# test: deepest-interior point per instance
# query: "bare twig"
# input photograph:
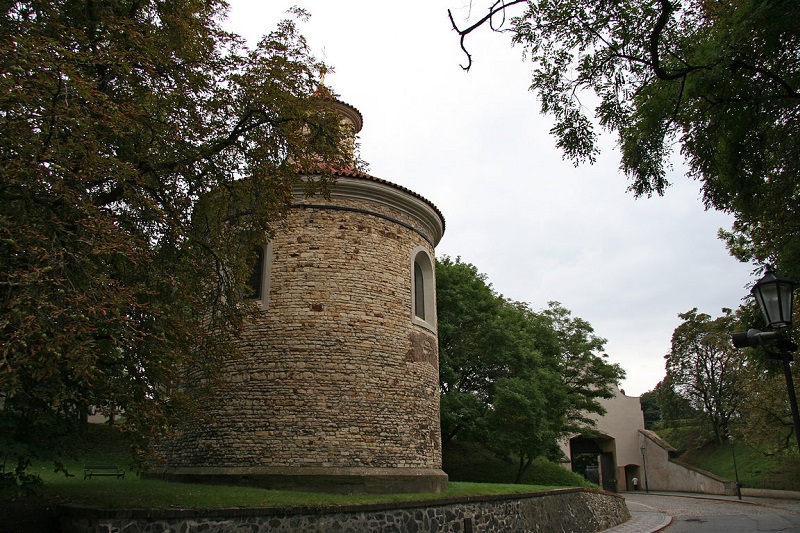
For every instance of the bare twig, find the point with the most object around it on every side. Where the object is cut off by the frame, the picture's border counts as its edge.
(497, 7)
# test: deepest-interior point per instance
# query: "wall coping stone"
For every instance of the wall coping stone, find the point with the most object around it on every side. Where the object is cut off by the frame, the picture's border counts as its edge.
(559, 510)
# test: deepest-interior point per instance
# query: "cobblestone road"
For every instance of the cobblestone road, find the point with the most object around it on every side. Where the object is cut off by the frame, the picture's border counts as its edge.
(681, 513)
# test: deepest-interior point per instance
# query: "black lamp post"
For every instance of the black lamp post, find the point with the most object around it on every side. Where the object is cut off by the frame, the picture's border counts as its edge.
(774, 295)
(644, 469)
(735, 469)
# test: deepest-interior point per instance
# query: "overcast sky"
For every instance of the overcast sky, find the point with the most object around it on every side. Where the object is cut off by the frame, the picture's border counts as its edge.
(476, 146)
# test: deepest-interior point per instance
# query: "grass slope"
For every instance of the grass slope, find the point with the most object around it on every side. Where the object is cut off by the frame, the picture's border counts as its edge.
(474, 472)
(755, 469)
(464, 461)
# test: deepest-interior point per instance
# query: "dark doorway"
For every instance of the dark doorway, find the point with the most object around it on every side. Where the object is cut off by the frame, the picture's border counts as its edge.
(585, 453)
(609, 481)
(632, 471)
(586, 464)
(591, 461)
(580, 445)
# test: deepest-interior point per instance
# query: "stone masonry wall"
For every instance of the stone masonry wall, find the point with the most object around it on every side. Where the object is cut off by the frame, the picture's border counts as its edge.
(334, 373)
(570, 510)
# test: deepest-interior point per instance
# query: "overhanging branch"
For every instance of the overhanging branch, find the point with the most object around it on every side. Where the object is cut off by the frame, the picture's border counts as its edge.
(497, 7)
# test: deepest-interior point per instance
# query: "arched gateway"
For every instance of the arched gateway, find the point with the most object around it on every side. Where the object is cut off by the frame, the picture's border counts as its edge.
(610, 454)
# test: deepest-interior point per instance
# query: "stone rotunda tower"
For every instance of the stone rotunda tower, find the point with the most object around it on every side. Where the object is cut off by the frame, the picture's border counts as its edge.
(337, 388)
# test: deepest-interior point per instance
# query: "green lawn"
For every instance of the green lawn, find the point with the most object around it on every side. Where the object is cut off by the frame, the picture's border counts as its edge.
(133, 492)
(473, 471)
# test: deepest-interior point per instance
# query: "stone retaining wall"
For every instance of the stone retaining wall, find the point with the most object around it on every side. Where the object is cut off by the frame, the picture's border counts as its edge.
(567, 510)
(771, 493)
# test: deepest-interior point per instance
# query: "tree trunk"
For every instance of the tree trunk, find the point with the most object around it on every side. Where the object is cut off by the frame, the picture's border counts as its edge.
(84, 423)
(523, 467)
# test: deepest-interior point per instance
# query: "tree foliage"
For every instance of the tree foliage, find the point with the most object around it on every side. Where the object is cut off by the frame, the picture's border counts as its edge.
(650, 409)
(482, 340)
(674, 409)
(513, 379)
(118, 119)
(467, 312)
(584, 368)
(713, 390)
(720, 80)
(704, 368)
(766, 420)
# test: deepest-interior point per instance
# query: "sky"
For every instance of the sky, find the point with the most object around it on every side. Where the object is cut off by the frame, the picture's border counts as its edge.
(476, 146)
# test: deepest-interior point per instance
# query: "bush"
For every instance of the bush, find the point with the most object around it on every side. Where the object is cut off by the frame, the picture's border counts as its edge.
(466, 461)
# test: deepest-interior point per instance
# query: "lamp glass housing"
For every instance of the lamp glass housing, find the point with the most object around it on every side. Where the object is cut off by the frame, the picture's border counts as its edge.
(774, 296)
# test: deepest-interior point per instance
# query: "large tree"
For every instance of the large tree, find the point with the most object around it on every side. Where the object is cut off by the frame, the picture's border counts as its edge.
(766, 419)
(529, 405)
(525, 422)
(481, 341)
(705, 368)
(513, 379)
(583, 366)
(118, 119)
(717, 79)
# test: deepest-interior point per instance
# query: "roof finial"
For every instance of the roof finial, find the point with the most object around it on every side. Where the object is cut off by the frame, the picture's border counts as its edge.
(323, 68)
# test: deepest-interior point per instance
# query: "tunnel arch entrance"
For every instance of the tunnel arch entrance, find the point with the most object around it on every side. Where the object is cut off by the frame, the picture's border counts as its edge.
(594, 457)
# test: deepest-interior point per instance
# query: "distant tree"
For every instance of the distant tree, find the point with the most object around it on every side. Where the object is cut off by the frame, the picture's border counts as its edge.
(705, 368)
(650, 409)
(675, 410)
(118, 120)
(766, 420)
(720, 80)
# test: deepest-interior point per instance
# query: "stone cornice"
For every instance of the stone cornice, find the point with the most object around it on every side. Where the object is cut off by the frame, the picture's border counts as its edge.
(374, 190)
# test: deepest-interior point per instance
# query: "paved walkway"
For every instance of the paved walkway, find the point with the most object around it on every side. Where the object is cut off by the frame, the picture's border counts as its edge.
(642, 521)
(648, 519)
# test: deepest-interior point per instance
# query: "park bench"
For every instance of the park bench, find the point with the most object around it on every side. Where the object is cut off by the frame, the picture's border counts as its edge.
(102, 470)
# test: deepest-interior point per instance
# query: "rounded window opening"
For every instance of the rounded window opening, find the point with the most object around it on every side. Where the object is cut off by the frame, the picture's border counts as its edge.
(259, 276)
(423, 296)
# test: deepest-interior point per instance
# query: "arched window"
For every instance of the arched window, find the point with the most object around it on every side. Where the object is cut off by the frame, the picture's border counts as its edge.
(423, 300)
(419, 292)
(259, 276)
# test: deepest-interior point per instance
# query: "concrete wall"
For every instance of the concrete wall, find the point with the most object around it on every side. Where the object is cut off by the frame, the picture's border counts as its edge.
(623, 434)
(622, 422)
(619, 428)
(662, 474)
(570, 510)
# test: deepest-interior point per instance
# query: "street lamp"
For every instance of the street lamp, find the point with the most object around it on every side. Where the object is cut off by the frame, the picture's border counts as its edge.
(774, 295)
(735, 469)
(644, 469)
